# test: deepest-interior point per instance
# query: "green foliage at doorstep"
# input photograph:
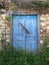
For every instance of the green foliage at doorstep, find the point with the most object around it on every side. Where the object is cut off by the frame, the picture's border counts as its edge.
(12, 56)
(20, 57)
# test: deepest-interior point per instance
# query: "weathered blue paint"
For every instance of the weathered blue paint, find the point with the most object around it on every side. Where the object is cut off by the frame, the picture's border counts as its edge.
(25, 32)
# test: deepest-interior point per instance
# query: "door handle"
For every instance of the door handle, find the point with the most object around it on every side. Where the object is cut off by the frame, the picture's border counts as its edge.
(24, 28)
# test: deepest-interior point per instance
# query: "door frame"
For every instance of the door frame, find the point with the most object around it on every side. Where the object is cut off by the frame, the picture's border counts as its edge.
(38, 26)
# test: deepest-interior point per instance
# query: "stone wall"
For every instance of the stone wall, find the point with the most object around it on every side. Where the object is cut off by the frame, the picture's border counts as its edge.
(44, 27)
(4, 29)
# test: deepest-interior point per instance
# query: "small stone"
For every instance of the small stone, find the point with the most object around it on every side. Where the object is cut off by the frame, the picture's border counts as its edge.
(47, 27)
(41, 41)
(47, 45)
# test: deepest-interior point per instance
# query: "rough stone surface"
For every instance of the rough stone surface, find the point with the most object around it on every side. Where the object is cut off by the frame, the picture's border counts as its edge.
(44, 27)
(5, 32)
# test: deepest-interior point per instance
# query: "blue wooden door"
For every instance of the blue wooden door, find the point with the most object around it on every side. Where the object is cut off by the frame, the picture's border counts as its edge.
(25, 32)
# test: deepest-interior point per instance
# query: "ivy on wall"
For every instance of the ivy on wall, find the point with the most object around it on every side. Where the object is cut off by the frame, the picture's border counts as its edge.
(35, 4)
(41, 4)
(28, 5)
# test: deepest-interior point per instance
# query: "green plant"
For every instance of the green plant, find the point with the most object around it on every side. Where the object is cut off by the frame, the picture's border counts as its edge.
(3, 41)
(45, 42)
(41, 4)
(45, 52)
(24, 4)
(20, 57)
(8, 18)
(45, 57)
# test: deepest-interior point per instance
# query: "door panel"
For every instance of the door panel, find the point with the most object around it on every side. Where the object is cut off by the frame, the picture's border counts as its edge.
(25, 30)
(18, 32)
(31, 39)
